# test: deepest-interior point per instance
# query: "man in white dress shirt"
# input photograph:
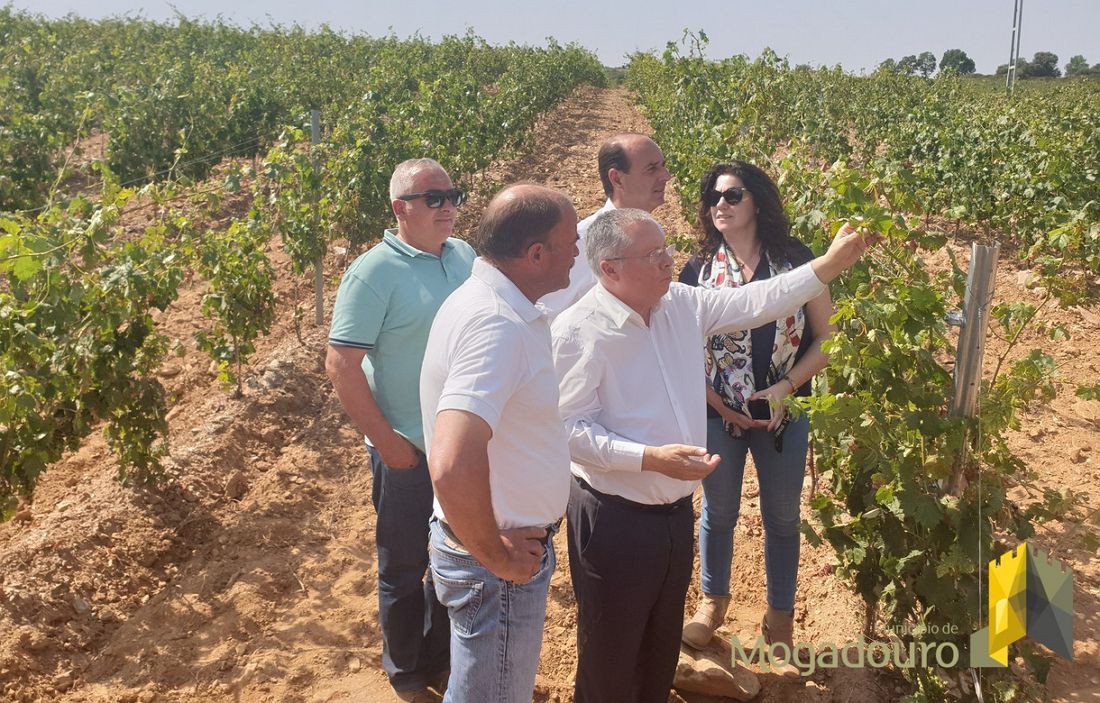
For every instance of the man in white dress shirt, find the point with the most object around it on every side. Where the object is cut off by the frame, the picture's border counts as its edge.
(497, 450)
(628, 363)
(633, 173)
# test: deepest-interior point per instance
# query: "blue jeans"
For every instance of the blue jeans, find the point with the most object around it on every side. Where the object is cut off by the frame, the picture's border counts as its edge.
(780, 475)
(415, 629)
(496, 625)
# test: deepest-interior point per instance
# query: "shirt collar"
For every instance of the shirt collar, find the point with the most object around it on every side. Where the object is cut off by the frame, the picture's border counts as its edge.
(616, 310)
(506, 289)
(401, 246)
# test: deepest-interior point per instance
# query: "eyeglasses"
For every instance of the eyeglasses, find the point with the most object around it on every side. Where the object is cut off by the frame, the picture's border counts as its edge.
(435, 198)
(732, 195)
(653, 257)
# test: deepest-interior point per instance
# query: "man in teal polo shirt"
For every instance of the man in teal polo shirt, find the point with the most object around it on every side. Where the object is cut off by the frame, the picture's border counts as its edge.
(384, 310)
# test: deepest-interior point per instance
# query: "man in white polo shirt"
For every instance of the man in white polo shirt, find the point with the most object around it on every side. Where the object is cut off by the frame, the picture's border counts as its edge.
(497, 449)
(633, 173)
(627, 356)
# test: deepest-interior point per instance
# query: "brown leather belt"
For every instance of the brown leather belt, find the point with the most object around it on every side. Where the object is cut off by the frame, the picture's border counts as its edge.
(450, 534)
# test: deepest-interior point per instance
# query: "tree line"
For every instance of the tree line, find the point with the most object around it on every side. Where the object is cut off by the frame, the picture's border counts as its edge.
(1043, 64)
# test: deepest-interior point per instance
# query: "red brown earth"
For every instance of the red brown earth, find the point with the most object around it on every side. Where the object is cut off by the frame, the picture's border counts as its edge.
(249, 575)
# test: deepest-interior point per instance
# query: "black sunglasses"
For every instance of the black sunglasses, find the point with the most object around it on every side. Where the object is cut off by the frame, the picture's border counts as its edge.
(435, 198)
(732, 195)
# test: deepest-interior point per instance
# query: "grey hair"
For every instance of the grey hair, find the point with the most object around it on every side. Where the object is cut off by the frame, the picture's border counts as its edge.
(606, 237)
(401, 182)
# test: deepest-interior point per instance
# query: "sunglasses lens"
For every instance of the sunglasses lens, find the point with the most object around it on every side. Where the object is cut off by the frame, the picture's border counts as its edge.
(711, 198)
(733, 195)
(436, 198)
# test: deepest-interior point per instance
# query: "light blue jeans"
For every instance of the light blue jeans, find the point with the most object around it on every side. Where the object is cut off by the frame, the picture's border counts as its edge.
(496, 625)
(780, 475)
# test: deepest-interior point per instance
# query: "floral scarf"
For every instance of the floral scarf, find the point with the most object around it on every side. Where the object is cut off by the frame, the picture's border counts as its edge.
(729, 356)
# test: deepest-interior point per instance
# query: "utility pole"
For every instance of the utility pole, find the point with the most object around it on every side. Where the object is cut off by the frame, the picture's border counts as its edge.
(1014, 45)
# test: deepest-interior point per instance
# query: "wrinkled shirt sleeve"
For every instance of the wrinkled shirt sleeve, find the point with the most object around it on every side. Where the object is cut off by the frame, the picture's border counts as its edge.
(725, 310)
(590, 443)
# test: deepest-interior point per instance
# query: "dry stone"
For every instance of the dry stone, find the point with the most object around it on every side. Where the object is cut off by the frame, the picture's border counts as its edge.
(703, 672)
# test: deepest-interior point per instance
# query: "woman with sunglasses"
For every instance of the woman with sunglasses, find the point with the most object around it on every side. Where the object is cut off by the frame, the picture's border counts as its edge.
(746, 237)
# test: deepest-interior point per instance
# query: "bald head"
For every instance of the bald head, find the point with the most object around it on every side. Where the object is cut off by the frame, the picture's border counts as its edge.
(519, 216)
(633, 173)
(615, 153)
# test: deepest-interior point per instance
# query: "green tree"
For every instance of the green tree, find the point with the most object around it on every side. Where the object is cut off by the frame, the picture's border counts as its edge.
(1023, 66)
(1043, 65)
(907, 65)
(926, 63)
(888, 66)
(956, 60)
(1077, 66)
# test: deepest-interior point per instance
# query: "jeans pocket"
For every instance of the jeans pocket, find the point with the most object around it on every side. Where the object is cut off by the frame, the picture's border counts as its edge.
(415, 478)
(548, 562)
(461, 597)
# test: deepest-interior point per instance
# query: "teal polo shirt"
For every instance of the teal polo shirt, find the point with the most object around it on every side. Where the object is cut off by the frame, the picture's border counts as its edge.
(385, 305)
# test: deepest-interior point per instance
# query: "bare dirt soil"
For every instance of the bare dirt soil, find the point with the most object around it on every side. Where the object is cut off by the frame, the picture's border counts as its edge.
(249, 576)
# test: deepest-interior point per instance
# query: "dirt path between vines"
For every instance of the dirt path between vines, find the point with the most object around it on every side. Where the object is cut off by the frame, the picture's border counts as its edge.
(250, 576)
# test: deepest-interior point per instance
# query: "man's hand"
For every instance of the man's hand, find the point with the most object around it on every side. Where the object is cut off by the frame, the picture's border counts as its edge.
(345, 367)
(520, 555)
(681, 461)
(459, 467)
(847, 247)
(398, 453)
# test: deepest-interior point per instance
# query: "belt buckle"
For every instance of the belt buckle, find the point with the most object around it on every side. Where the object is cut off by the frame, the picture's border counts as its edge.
(551, 530)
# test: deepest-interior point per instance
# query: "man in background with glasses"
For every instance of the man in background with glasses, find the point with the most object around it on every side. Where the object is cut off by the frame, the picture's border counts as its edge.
(628, 363)
(633, 173)
(380, 323)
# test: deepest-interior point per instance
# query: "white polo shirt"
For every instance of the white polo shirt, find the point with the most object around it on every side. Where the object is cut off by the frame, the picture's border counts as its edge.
(488, 353)
(625, 386)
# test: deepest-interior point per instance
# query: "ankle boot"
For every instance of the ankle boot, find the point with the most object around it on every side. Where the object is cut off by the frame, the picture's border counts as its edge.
(710, 615)
(778, 626)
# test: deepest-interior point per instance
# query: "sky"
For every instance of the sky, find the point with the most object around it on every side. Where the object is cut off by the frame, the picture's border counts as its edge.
(857, 34)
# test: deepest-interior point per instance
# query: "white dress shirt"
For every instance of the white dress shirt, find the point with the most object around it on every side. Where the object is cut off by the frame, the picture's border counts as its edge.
(488, 353)
(625, 386)
(581, 278)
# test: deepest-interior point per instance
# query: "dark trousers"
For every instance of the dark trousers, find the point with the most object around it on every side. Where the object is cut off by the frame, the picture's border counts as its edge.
(416, 631)
(631, 567)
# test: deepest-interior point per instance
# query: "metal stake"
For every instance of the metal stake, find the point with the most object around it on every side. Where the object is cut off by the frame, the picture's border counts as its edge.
(318, 274)
(974, 324)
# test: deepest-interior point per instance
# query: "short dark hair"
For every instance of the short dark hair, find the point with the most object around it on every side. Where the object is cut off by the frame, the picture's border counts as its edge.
(612, 155)
(514, 221)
